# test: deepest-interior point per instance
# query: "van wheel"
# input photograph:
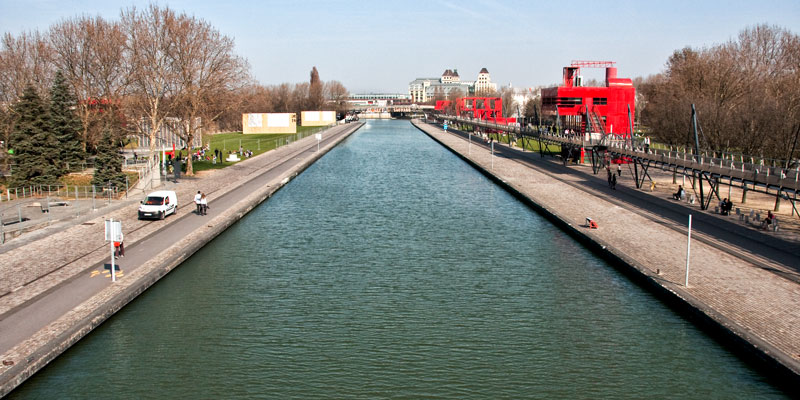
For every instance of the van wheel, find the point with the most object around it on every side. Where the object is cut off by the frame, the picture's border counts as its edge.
(175, 210)
(161, 215)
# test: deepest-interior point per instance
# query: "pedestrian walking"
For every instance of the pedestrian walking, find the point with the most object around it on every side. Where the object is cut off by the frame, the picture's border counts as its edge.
(613, 182)
(119, 247)
(203, 204)
(610, 175)
(619, 169)
(197, 198)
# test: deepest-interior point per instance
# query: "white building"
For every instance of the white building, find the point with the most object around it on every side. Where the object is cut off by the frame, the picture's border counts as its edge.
(484, 83)
(426, 89)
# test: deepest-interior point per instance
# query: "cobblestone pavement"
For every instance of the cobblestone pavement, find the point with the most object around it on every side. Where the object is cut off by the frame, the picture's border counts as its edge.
(751, 298)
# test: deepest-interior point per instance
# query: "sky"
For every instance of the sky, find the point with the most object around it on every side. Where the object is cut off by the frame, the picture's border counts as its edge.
(378, 46)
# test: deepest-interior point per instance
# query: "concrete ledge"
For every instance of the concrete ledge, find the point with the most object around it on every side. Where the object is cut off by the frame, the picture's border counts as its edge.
(779, 366)
(60, 335)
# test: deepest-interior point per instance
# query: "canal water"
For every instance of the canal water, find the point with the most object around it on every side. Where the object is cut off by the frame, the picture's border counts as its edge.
(392, 269)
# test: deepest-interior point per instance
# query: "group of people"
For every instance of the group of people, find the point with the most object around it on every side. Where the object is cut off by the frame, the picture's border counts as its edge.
(201, 202)
(725, 206)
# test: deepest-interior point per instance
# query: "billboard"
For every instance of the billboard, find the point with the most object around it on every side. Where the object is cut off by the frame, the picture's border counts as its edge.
(269, 123)
(317, 118)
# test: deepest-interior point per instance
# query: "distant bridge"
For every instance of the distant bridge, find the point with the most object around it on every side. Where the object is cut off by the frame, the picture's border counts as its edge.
(392, 110)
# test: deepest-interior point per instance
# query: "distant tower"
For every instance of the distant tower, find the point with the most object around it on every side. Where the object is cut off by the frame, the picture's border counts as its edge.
(484, 82)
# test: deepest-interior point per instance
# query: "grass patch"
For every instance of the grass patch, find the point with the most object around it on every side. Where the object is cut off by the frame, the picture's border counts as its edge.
(257, 143)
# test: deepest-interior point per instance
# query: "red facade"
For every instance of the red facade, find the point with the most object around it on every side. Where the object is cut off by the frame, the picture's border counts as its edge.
(606, 104)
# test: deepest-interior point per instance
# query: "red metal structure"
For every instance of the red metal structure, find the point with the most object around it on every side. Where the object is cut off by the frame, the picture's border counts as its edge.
(605, 107)
(485, 108)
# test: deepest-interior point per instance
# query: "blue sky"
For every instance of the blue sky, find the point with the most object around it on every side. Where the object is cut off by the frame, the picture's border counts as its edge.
(380, 46)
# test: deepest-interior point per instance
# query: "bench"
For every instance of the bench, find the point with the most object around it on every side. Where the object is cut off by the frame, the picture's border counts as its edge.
(46, 206)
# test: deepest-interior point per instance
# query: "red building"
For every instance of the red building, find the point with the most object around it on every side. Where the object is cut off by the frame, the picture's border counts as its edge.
(606, 107)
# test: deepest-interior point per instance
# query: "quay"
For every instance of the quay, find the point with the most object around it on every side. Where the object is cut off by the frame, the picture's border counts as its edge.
(744, 285)
(55, 288)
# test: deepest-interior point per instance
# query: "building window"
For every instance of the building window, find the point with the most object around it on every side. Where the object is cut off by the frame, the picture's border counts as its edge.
(562, 101)
(600, 101)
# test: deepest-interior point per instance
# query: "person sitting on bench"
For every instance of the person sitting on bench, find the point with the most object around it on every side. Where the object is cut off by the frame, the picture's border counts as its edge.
(679, 195)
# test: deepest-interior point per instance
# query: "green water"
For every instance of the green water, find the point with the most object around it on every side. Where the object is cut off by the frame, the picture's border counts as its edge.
(391, 269)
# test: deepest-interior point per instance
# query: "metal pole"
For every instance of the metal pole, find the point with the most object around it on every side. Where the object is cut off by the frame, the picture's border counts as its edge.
(492, 155)
(470, 143)
(697, 155)
(630, 128)
(113, 264)
(688, 251)
(164, 160)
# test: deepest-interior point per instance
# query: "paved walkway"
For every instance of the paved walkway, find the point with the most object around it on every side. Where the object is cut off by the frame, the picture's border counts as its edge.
(745, 279)
(51, 285)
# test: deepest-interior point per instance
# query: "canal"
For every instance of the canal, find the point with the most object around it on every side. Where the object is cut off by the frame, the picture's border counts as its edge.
(390, 268)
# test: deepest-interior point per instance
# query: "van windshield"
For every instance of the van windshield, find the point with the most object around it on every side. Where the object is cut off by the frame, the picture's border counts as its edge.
(154, 201)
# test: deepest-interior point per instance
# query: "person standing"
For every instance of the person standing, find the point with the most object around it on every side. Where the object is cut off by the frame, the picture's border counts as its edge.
(119, 247)
(203, 204)
(197, 202)
(619, 169)
(613, 182)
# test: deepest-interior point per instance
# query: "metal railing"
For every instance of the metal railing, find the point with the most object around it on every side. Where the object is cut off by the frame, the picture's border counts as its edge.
(769, 171)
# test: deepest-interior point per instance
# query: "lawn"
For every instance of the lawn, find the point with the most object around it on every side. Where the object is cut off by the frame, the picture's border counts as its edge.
(257, 143)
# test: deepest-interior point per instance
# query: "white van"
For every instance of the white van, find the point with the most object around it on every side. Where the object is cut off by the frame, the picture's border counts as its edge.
(159, 204)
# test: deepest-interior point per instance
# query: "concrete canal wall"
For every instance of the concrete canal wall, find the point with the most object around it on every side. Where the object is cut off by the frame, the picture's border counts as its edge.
(753, 311)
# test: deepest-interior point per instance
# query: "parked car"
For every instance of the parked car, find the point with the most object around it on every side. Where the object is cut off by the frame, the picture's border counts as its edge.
(159, 204)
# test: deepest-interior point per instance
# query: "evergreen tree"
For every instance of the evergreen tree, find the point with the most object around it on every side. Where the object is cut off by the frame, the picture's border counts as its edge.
(108, 163)
(35, 148)
(65, 125)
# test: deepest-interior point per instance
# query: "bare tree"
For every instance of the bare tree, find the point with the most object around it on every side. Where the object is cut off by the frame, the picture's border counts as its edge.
(299, 97)
(336, 94)
(24, 60)
(509, 104)
(151, 70)
(746, 92)
(206, 70)
(90, 53)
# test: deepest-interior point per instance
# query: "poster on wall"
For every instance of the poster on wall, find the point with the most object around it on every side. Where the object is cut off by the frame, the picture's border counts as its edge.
(254, 121)
(278, 120)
